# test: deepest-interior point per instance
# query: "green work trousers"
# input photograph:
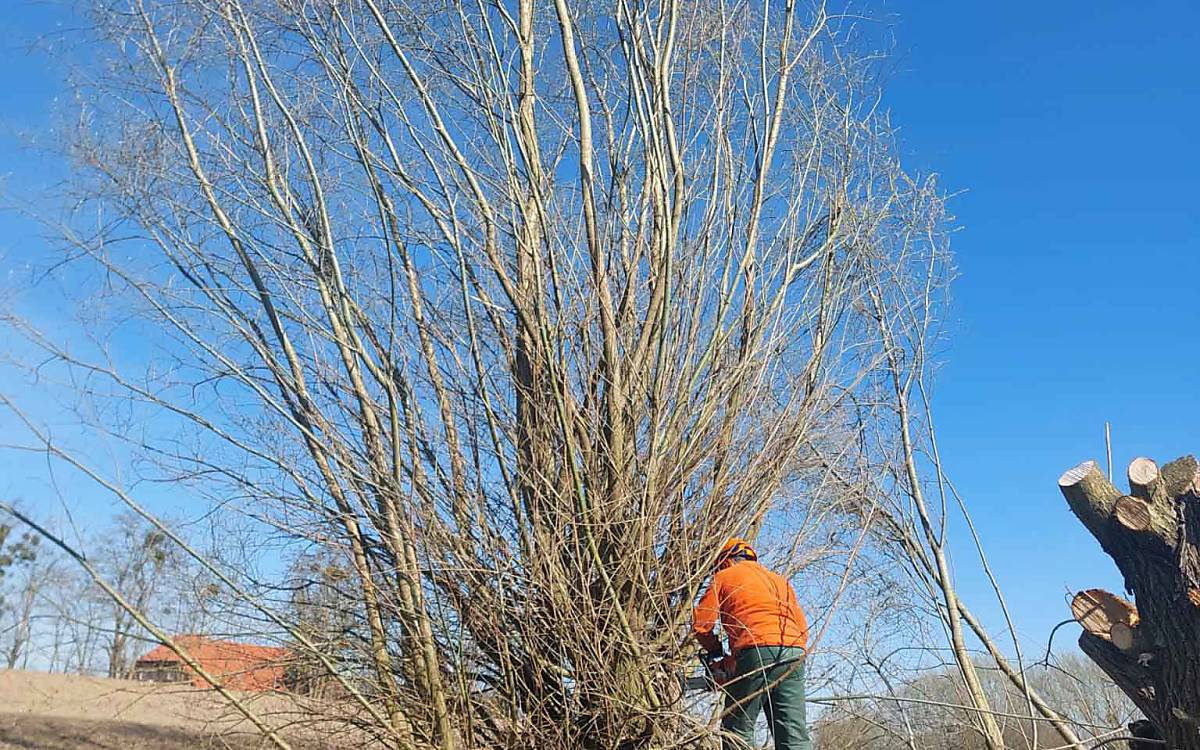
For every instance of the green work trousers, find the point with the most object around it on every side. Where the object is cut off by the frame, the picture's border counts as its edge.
(770, 679)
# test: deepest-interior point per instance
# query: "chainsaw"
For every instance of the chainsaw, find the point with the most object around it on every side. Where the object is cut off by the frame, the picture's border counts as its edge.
(719, 670)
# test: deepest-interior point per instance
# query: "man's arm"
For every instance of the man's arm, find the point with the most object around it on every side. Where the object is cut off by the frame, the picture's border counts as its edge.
(704, 620)
(803, 619)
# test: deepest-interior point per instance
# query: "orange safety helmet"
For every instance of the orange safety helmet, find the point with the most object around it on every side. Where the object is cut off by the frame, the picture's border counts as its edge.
(736, 547)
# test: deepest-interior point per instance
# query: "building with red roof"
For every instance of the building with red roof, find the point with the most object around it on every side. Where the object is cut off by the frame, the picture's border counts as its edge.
(238, 666)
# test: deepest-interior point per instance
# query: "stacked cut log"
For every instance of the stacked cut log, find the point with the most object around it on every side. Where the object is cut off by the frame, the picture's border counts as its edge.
(1150, 647)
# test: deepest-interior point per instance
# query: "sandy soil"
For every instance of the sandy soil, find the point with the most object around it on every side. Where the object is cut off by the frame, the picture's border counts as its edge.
(72, 712)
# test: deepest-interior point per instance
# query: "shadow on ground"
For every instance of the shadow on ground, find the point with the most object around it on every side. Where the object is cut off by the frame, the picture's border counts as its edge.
(31, 732)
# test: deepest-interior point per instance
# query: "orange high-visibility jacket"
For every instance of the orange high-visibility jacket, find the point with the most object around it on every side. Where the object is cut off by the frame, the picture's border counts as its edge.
(756, 608)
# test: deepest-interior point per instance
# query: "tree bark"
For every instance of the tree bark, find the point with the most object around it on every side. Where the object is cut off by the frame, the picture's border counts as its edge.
(1151, 651)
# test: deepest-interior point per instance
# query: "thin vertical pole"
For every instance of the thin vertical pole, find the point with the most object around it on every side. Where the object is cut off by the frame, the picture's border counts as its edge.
(1108, 447)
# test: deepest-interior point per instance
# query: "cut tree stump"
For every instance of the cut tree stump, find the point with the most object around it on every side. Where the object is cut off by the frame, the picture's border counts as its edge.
(1151, 650)
(1106, 616)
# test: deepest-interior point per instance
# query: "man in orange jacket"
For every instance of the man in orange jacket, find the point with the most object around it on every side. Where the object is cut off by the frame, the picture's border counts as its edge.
(768, 637)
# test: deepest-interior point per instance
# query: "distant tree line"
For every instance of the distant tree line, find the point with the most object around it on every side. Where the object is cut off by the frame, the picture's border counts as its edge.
(54, 618)
(932, 711)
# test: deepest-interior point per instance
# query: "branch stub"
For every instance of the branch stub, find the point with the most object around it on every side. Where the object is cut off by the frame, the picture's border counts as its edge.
(1132, 513)
(1143, 472)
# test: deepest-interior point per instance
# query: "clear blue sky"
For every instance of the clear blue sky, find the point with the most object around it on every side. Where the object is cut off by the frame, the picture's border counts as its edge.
(1071, 127)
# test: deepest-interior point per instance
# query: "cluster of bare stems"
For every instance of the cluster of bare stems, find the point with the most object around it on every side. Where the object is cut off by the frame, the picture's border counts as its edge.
(513, 312)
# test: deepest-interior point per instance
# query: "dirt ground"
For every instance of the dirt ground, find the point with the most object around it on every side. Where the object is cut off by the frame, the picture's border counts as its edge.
(71, 712)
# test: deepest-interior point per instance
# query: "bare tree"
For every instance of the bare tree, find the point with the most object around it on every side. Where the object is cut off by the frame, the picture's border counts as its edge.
(79, 620)
(902, 466)
(520, 309)
(18, 554)
(136, 558)
(324, 608)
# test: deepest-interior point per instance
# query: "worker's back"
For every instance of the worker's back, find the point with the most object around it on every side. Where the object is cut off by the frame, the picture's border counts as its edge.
(757, 607)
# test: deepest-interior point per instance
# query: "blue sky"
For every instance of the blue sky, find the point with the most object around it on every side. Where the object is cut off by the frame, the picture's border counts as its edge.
(1069, 130)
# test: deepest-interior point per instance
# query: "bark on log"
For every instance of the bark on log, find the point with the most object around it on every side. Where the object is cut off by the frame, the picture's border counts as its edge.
(1153, 534)
(1128, 674)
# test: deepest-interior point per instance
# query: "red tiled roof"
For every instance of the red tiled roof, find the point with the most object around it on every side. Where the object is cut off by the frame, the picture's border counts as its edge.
(242, 666)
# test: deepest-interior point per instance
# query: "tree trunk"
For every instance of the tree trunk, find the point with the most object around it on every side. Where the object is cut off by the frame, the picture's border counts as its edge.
(23, 628)
(116, 655)
(1151, 651)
